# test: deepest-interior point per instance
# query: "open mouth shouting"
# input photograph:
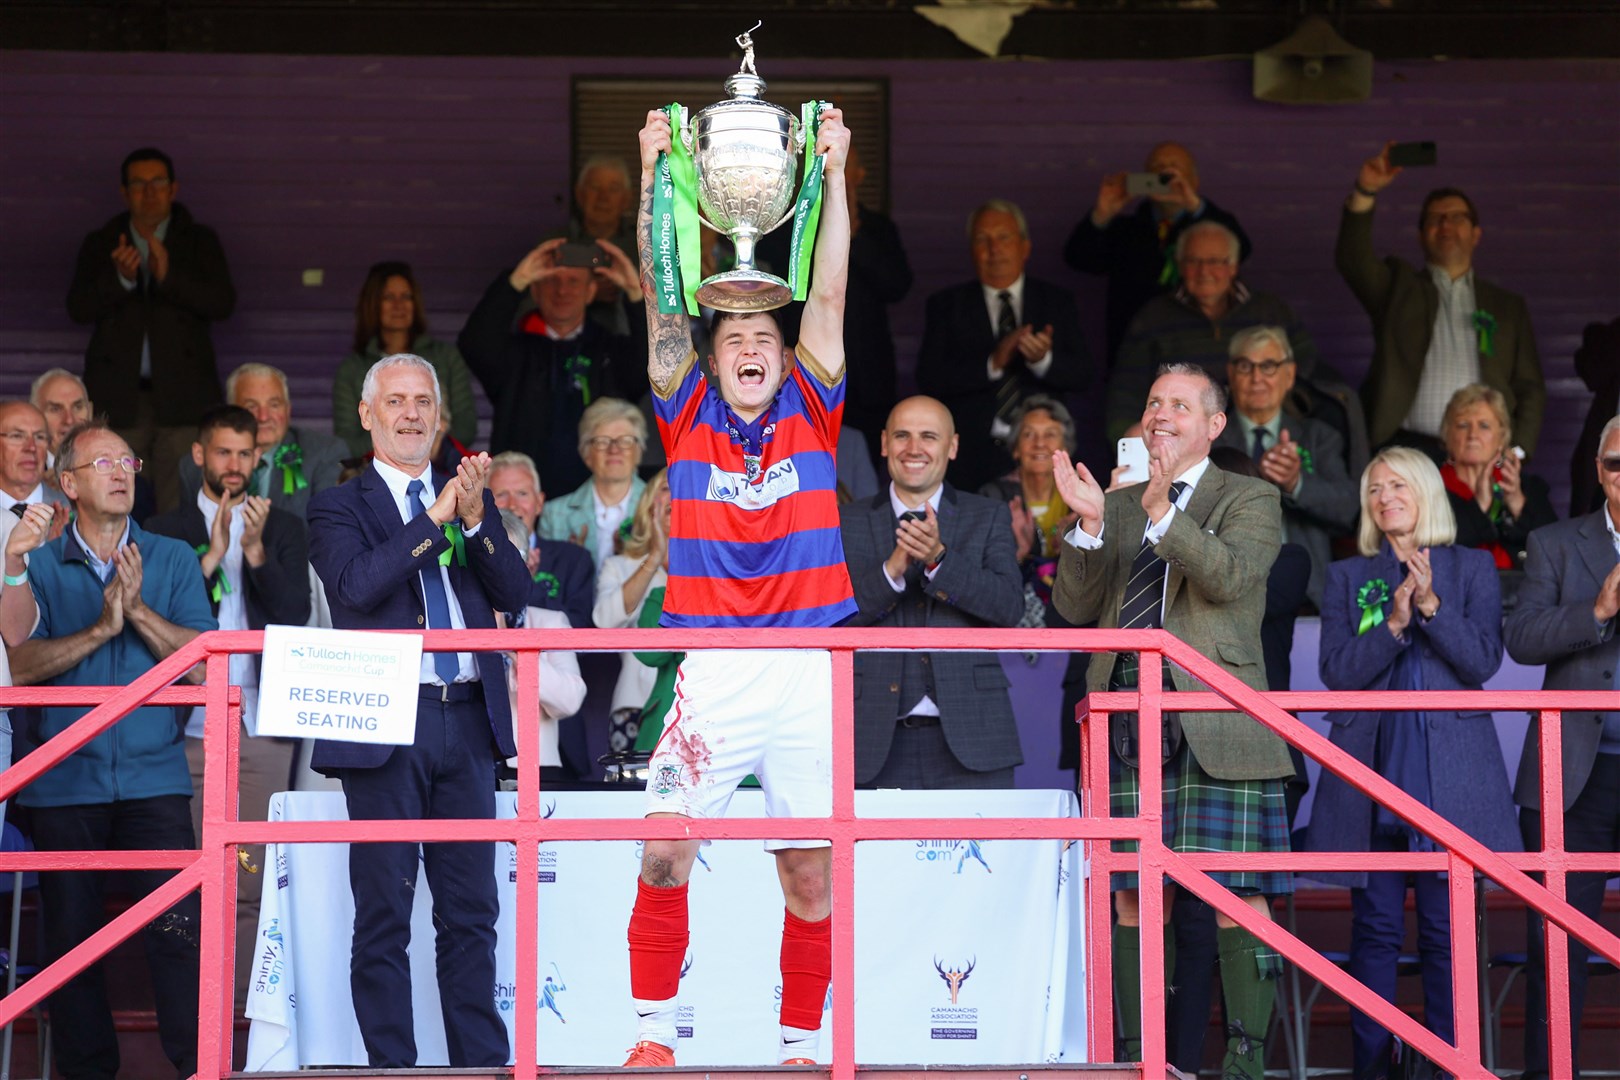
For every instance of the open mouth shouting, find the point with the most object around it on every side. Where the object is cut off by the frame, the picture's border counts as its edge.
(751, 373)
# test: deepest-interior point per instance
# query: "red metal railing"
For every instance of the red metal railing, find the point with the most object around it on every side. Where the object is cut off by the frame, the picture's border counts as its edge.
(213, 867)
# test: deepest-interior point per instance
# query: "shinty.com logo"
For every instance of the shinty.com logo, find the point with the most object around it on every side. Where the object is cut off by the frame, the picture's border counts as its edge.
(952, 854)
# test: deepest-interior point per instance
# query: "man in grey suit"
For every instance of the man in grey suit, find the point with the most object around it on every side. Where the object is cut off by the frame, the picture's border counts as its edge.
(294, 462)
(1565, 619)
(924, 554)
(1303, 457)
(1189, 551)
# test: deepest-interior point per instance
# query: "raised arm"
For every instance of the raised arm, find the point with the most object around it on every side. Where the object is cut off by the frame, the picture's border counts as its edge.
(822, 328)
(669, 334)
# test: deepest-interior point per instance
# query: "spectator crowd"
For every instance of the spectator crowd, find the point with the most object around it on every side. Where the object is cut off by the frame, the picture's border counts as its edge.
(163, 491)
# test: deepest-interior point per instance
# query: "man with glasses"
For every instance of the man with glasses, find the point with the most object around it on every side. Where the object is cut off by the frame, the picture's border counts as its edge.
(25, 441)
(1303, 457)
(1195, 323)
(113, 600)
(151, 281)
(1438, 328)
(1566, 618)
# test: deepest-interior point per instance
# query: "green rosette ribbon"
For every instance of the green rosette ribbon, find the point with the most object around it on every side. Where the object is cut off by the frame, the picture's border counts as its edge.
(1485, 327)
(807, 207)
(579, 370)
(549, 582)
(458, 545)
(1371, 600)
(1306, 461)
(675, 239)
(218, 585)
(290, 460)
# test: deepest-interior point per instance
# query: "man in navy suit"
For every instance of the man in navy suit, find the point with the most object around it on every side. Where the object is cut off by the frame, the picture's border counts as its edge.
(375, 543)
(991, 343)
(1566, 618)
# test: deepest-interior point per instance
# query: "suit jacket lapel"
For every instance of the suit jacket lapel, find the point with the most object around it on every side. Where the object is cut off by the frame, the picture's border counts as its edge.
(381, 502)
(1597, 550)
(1202, 504)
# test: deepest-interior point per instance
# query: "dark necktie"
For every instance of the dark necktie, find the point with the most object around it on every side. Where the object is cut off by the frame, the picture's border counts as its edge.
(1259, 450)
(1006, 321)
(445, 664)
(19, 509)
(1144, 599)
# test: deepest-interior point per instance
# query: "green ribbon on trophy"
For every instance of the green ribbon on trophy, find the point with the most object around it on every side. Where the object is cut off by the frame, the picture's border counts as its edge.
(458, 545)
(807, 207)
(676, 239)
(1371, 600)
(290, 460)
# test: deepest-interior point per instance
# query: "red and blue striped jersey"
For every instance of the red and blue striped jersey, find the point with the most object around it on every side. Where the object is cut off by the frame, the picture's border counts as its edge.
(755, 545)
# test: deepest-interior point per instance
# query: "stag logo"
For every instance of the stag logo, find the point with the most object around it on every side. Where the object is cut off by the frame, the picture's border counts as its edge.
(955, 977)
(686, 965)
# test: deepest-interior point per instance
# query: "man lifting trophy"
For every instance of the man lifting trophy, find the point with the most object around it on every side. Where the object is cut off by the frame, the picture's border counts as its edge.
(754, 535)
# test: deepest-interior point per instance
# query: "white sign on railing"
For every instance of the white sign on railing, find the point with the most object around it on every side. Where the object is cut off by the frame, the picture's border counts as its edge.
(346, 685)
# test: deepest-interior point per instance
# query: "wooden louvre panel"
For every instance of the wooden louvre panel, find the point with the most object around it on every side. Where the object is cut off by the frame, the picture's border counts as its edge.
(607, 113)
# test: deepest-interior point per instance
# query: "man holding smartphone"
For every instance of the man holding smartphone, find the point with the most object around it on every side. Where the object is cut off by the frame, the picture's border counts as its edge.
(1132, 250)
(1438, 328)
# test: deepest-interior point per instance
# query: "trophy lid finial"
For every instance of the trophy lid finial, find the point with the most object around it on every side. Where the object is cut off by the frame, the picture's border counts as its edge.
(745, 42)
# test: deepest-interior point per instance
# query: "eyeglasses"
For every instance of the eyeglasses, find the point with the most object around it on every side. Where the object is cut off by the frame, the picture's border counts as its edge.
(1267, 368)
(621, 442)
(159, 185)
(17, 438)
(1453, 218)
(1610, 464)
(105, 465)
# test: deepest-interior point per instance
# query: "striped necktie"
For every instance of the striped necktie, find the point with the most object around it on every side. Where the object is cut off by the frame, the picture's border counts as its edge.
(1144, 594)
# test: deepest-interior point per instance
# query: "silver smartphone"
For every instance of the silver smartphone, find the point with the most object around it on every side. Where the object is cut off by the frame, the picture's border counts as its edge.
(1146, 183)
(1133, 458)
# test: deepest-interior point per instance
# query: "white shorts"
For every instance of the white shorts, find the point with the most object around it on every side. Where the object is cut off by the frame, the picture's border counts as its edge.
(747, 711)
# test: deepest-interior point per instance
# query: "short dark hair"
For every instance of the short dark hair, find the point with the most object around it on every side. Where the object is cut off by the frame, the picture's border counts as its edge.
(1448, 193)
(145, 153)
(231, 418)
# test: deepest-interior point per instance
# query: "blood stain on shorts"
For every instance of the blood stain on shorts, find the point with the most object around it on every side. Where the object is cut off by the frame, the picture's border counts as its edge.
(693, 752)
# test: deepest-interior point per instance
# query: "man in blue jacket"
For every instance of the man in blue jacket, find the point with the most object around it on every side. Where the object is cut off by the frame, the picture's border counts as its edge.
(113, 601)
(375, 543)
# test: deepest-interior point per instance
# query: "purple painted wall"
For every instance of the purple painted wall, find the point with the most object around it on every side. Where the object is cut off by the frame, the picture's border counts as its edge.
(459, 164)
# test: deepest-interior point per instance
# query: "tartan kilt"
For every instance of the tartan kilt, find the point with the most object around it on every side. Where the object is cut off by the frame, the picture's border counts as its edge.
(1203, 814)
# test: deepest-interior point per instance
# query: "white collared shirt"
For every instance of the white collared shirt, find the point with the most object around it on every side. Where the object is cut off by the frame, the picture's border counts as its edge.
(145, 250)
(608, 520)
(38, 495)
(397, 482)
(1453, 357)
(232, 615)
(992, 306)
(1614, 533)
(1155, 530)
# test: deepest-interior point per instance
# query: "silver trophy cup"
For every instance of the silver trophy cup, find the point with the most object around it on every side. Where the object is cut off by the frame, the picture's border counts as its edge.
(746, 155)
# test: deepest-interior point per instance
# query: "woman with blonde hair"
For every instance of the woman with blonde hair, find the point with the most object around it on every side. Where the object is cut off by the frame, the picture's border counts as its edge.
(625, 584)
(1413, 611)
(1496, 503)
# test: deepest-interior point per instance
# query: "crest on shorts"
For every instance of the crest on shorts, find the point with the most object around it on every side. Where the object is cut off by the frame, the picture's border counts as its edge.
(666, 779)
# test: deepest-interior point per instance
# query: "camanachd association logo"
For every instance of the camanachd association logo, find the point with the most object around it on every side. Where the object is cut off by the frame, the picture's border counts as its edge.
(957, 1021)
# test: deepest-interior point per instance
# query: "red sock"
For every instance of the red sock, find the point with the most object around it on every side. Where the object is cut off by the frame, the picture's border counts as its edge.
(658, 937)
(806, 970)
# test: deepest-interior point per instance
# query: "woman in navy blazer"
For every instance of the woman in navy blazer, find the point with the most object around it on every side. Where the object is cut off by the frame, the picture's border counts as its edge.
(1412, 612)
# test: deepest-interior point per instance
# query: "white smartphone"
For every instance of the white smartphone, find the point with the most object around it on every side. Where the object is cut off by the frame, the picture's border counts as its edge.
(1133, 458)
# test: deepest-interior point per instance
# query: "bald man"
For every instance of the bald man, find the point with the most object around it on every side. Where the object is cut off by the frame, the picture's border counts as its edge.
(1132, 250)
(923, 554)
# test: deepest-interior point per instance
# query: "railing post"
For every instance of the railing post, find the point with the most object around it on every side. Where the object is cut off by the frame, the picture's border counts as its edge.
(525, 1027)
(843, 829)
(216, 991)
(1150, 858)
(1464, 958)
(1560, 1024)
(1098, 896)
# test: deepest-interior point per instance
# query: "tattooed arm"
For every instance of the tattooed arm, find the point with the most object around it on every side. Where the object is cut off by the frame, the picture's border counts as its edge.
(669, 334)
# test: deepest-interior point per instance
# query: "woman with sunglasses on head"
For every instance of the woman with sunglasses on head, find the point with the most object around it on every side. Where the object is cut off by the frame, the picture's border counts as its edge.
(1414, 611)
